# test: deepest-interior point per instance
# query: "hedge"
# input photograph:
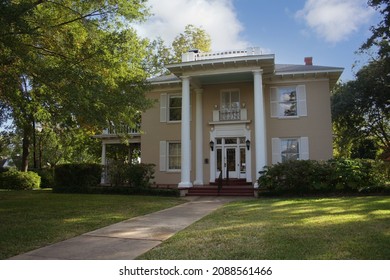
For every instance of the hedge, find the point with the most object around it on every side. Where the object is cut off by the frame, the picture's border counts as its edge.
(76, 178)
(17, 180)
(332, 176)
(138, 175)
(126, 190)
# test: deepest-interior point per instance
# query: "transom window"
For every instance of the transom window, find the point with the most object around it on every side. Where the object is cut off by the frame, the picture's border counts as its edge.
(174, 108)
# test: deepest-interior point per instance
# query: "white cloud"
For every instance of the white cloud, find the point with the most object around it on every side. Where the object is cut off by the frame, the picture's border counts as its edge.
(217, 17)
(335, 20)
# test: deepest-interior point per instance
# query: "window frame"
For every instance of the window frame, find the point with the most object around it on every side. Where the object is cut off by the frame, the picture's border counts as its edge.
(277, 145)
(276, 101)
(231, 107)
(171, 96)
(291, 155)
(169, 156)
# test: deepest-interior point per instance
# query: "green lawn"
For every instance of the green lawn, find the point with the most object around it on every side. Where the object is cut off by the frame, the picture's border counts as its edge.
(31, 219)
(329, 228)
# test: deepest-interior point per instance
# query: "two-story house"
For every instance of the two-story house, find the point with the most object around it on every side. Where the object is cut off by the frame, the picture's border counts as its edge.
(232, 113)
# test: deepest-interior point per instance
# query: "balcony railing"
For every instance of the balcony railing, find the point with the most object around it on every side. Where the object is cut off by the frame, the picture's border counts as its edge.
(225, 115)
(230, 114)
(121, 129)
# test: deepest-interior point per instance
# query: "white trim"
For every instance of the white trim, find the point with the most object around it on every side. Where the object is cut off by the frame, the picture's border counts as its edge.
(223, 60)
(230, 131)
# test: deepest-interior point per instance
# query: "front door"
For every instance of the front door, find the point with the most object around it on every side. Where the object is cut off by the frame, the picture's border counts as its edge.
(230, 158)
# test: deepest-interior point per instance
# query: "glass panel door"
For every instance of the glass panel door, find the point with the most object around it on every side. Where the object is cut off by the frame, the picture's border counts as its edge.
(242, 163)
(231, 162)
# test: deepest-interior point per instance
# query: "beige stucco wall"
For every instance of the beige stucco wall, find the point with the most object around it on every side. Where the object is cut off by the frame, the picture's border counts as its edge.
(316, 126)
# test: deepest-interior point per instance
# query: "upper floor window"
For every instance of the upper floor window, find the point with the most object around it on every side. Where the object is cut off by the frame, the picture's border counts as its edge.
(288, 101)
(230, 105)
(170, 107)
(174, 108)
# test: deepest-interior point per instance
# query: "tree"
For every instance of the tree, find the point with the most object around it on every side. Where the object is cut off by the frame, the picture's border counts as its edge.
(381, 33)
(160, 55)
(361, 108)
(192, 38)
(70, 63)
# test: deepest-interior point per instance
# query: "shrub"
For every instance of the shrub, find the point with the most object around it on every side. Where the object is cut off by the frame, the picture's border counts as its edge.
(17, 180)
(126, 190)
(308, 176)
(47, 177)
(76, 178)
(132, 175)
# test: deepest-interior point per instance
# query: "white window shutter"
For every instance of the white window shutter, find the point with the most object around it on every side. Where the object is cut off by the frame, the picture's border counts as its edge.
(163, 155)
(276, 151)
(274, 102)
(304, 148)
(163, 107)
(301, 95)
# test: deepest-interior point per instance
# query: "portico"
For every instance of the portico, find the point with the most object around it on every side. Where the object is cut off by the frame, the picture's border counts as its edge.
(237, 139)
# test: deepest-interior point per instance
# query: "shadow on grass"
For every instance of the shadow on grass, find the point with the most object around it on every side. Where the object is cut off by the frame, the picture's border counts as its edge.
(330, 228)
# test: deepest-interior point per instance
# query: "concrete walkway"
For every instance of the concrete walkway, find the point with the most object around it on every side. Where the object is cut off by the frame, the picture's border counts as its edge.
(128, 239)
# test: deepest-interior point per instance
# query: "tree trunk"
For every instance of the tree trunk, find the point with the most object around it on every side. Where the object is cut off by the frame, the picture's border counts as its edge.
(26, 147)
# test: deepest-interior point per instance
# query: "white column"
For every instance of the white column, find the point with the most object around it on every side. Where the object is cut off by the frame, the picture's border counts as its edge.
(260, 133)
(199, 138)
(185, 135)
(104, 175)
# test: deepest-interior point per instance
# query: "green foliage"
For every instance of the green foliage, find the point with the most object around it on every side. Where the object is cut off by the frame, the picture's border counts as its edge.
(71, 64)
(160, 55)
(336, 175)
(47, 177)
(133, 191)
(192, 38)
(361, 111)
(132, 175)
(76, 178)
(17, 180)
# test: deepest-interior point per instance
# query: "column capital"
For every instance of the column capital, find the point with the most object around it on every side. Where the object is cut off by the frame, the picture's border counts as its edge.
(257, 71)
(185, 77)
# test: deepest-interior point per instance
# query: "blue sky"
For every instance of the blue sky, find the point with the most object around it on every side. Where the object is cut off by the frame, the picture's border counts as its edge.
(330, 31)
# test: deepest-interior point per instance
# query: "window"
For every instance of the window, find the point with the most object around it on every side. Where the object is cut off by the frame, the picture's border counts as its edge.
(287, 102)
(294, 148)
(174, 108)
(289, 149)
(170, 108)
(170, 156)
(230, 105)
(174, 156)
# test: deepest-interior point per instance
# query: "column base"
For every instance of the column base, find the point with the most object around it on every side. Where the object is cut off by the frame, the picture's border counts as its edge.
(198, 183)
(183, 185)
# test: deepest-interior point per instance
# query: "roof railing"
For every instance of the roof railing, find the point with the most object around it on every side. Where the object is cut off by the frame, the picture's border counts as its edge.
(195, 55)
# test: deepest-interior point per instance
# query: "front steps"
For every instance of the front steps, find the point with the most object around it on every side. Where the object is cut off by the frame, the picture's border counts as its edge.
(230, 190)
